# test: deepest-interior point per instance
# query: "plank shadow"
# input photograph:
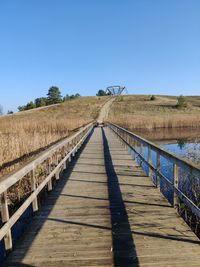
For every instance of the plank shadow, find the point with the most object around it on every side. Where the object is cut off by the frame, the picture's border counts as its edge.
(124, 253)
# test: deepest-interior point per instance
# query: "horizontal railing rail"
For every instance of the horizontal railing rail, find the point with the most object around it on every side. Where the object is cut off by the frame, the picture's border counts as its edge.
(135, 143)
(55, 160)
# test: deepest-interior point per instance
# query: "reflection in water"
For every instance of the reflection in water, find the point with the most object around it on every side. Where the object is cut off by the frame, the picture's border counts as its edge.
(170, 134)
(183, 142)
(186, 144)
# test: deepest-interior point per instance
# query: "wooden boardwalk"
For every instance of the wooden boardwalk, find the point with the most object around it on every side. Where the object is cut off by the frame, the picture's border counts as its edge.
(105, 212)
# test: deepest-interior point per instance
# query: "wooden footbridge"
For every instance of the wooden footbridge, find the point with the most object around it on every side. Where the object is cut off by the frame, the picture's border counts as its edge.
(102, 208)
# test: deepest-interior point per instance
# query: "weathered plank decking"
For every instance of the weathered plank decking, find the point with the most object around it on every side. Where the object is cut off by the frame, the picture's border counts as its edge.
(105, 212)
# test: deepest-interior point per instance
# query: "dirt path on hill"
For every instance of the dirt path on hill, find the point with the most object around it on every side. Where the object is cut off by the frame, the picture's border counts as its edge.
(103, 115)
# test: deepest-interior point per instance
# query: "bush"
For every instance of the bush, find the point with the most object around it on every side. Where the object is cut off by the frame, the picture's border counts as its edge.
(181, 102)
(152, 98)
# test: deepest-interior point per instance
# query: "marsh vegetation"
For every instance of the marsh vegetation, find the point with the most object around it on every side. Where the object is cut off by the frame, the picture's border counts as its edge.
(139, 112)
(24, 134)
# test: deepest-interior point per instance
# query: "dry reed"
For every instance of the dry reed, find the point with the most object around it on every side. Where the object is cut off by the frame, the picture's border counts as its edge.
(25, 132)
(152, 122)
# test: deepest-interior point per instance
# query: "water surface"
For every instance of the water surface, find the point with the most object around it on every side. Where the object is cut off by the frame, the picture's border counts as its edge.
(182, 142)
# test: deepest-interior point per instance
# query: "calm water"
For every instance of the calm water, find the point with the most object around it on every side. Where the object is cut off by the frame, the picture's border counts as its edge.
(186, 149)
(183, 142)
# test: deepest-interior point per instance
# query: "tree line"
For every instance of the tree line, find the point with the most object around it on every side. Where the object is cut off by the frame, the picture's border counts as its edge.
(54, 96)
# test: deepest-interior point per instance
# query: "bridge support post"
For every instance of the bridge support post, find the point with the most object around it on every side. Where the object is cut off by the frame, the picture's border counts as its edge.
(5, 218)
(176, 178)
(33, 188)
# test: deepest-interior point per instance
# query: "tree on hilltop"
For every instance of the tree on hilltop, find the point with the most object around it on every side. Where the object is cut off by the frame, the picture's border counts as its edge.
(41, 101)
(54, 95)
(101, 92)
(30, 105)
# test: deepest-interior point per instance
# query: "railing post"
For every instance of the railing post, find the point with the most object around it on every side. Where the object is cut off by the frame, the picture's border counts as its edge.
(149, 161)
(121, 136)
(5, 218)
(33, 188)
(133, 154)
(49, 185)
(141, 149)
(58, 172)
(158, 170)
(129, 147)
(65, 165)
(73, 145)
(176, 178)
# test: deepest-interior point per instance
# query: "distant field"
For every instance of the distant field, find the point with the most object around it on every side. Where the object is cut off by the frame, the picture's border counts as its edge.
(139, 112)
(26, 132)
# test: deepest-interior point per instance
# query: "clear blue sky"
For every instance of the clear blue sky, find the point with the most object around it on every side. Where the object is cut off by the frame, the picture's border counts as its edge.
(150, 46)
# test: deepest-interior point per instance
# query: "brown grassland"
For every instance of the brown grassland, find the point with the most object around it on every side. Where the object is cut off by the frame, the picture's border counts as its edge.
(139, 112)
(26, 133)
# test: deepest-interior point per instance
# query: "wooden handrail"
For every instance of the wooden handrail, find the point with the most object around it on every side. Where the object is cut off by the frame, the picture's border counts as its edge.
(69, 146)
(130, 139)
(157, 148)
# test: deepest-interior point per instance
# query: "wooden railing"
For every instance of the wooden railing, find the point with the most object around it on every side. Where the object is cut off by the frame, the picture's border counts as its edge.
(54, 161)
(180, 167)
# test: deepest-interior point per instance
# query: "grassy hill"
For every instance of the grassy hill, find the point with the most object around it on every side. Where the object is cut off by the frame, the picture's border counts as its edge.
(139, 112)
(26, 133)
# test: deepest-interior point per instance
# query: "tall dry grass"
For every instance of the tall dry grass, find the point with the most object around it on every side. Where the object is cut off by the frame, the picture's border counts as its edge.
(138, 112)
(28, 132)
(133, 122)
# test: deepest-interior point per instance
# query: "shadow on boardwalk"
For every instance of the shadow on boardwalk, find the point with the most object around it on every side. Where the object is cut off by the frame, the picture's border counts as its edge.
(124, 252)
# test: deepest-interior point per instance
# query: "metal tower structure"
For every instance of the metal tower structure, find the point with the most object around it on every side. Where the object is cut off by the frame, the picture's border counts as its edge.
(116, 89)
